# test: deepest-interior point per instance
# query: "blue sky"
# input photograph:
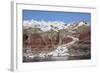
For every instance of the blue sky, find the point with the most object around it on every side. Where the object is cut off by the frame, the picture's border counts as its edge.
(66, 17)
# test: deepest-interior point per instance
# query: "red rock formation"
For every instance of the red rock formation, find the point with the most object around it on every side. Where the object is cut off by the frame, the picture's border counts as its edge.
(37, 41)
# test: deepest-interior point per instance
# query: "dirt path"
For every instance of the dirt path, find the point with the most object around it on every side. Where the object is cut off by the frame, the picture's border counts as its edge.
(72, 42)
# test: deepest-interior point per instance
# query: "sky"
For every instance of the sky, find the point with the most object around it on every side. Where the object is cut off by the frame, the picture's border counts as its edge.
(66, 17)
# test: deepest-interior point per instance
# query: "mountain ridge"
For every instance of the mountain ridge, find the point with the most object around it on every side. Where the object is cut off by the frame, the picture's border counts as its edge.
(54, 25)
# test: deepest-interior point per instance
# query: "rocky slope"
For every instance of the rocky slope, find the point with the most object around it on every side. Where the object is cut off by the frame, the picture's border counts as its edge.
(47, 37)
